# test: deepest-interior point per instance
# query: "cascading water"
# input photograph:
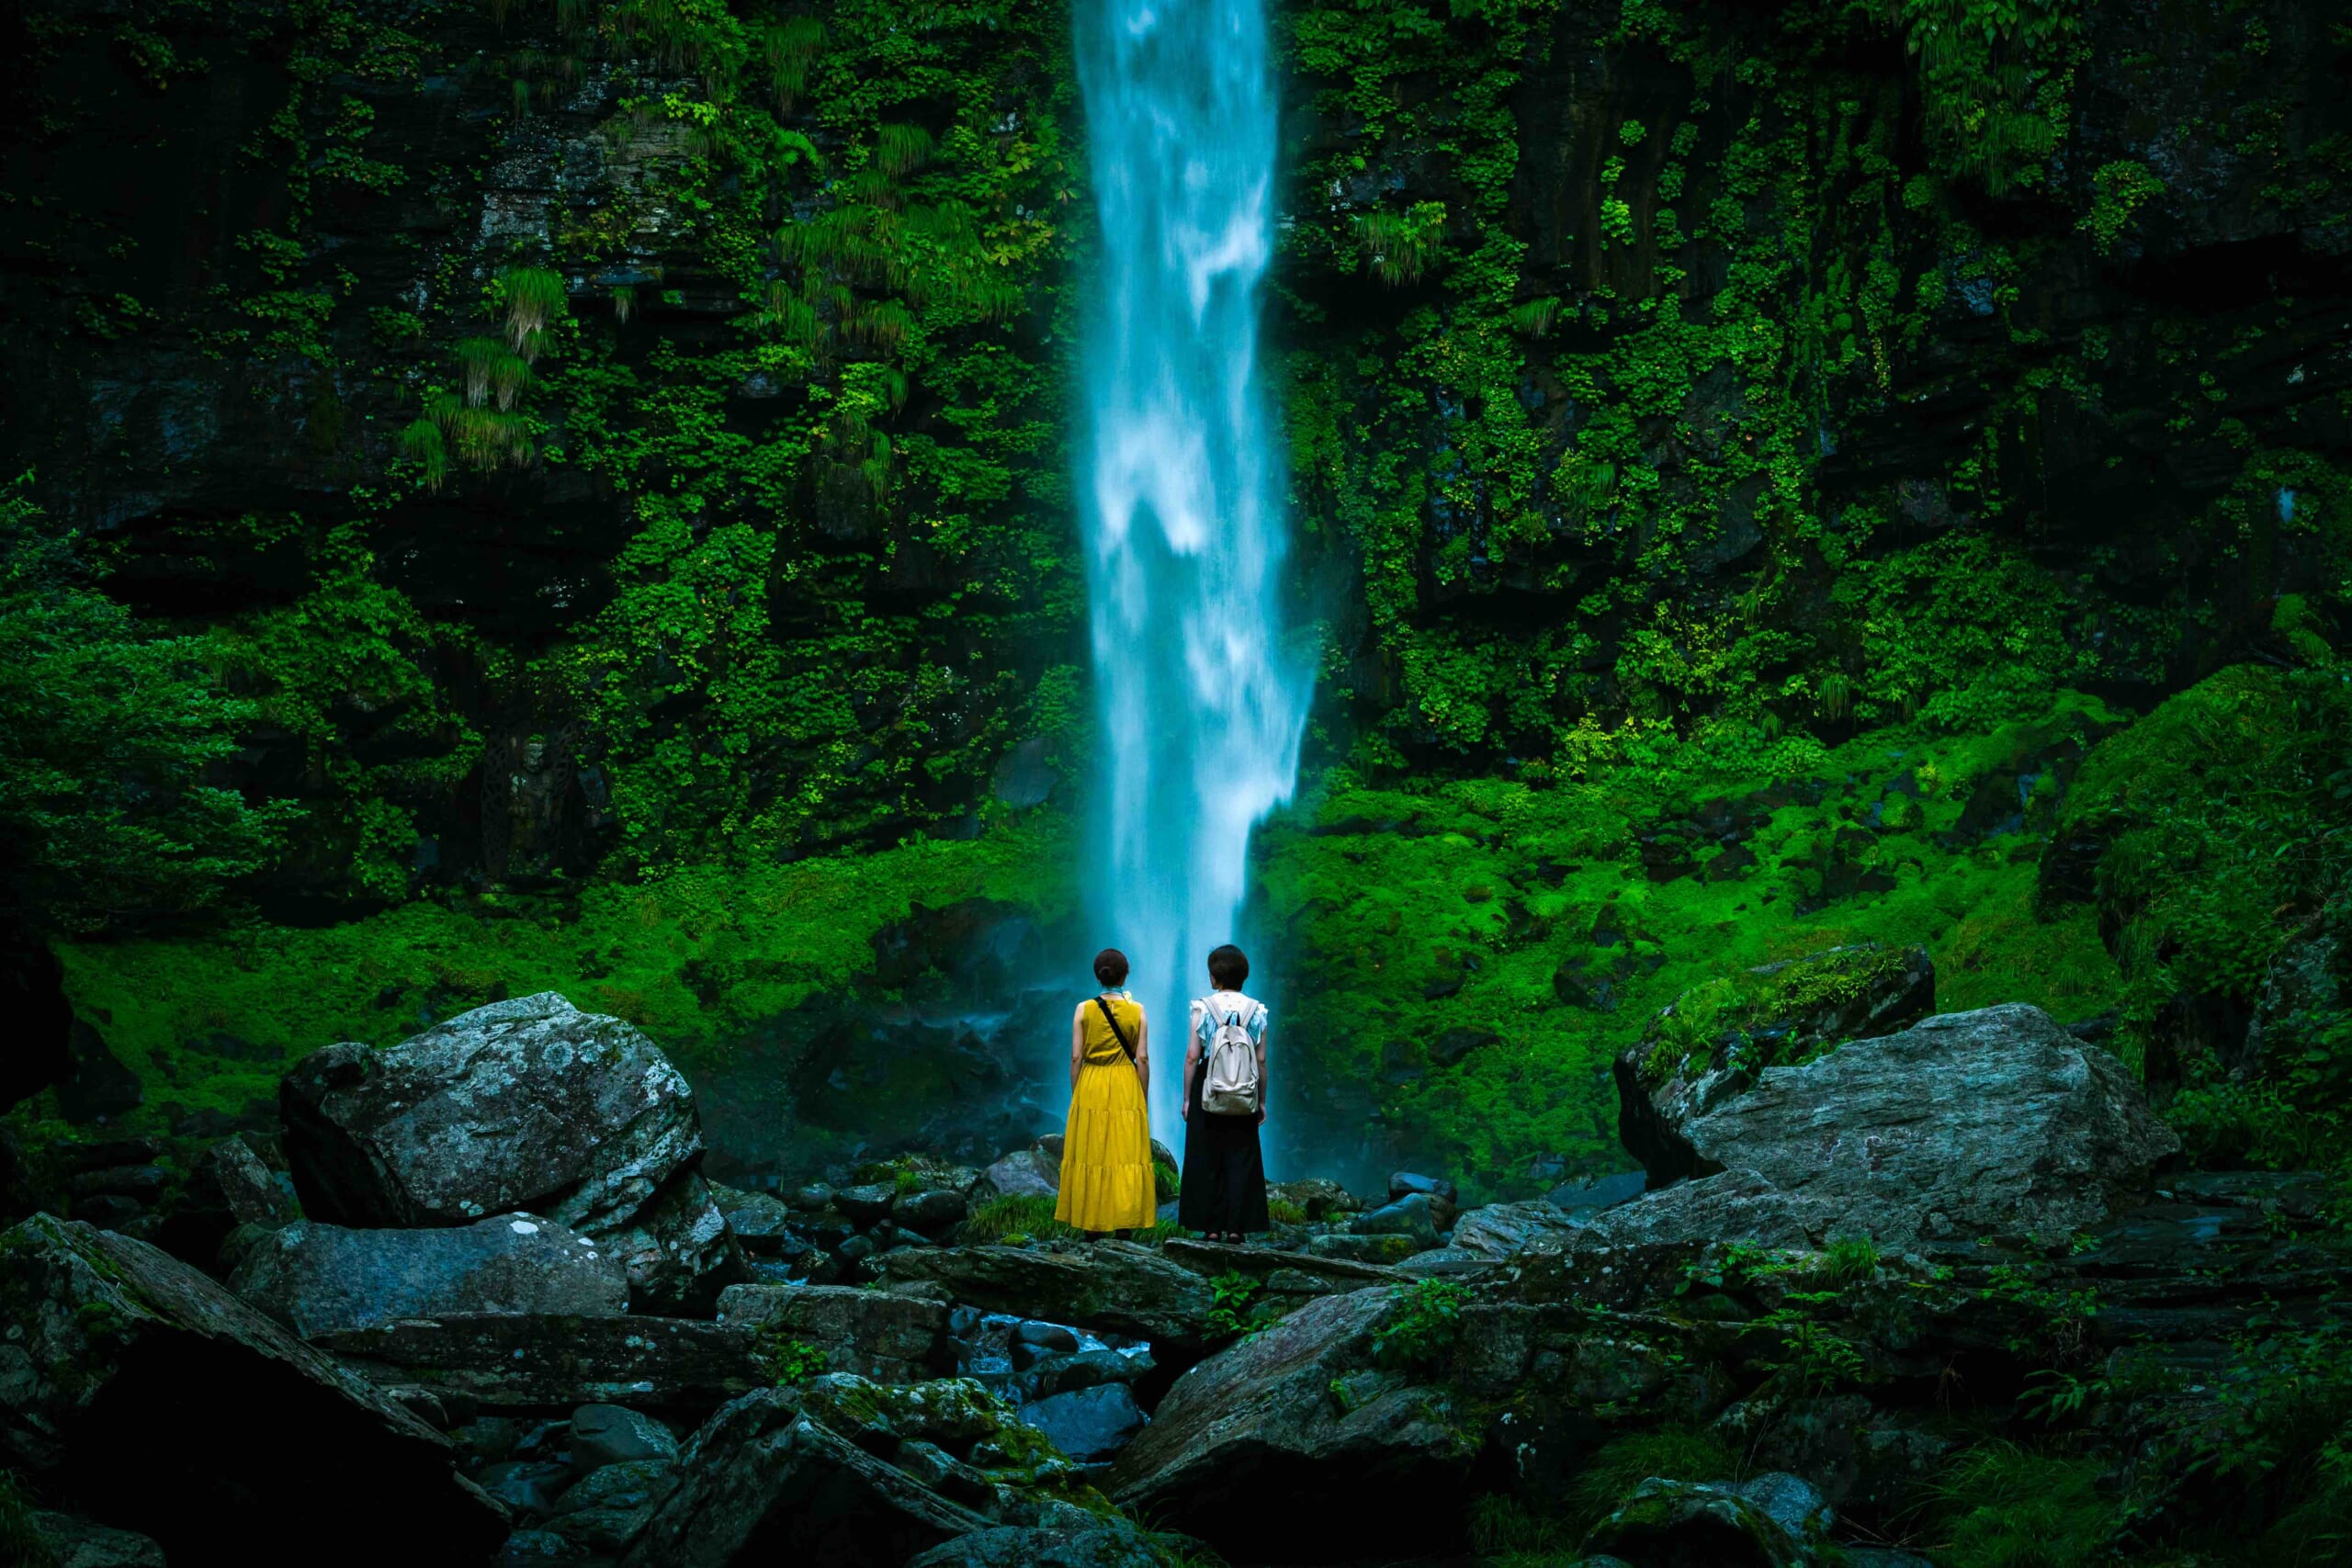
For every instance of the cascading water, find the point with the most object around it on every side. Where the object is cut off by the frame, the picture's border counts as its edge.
(1201, 703)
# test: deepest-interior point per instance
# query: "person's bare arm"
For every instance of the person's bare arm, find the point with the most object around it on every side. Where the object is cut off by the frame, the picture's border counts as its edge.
(1143, 1049)
(1265, 1089)
(1192, 1071)
(1077, 1044)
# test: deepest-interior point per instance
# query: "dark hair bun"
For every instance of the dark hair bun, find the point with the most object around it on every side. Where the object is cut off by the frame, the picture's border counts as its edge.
(1111, 966)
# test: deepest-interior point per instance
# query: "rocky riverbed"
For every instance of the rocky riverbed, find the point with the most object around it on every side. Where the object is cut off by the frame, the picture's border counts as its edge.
(478, 1304)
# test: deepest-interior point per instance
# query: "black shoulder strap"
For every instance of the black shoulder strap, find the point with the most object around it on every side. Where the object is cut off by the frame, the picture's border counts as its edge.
(1117, 1033)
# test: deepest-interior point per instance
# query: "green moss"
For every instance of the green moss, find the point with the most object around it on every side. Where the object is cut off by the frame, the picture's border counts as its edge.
(2004, 1506)
(1752, 1013)
(696, 959)
(1475, 952)
(1668, 1453)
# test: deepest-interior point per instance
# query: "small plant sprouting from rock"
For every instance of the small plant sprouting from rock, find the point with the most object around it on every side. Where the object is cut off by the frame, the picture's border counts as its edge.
(1423, 1328)
(1012, 1221)
(787, 1358)
(1231, 1297)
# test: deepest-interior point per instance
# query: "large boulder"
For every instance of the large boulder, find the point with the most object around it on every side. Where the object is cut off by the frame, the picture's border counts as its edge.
(524, 1104)
(317, 1277)
(507, 1361)
(113, 1345)
(1105, 1544)
(1361, 1458)
(1769, 1521)
(1996, 1123)
(763, 1482)
(1711, 1042)
(874, 1334)
(1088, 1424)
(1111, 1285)
(1501, 1230)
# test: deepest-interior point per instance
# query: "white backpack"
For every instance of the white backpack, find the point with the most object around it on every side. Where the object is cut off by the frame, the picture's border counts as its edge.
(1230, 1085)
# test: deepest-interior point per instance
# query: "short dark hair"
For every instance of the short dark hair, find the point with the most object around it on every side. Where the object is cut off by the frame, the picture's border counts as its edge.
(1110, 966)
(1228, 968)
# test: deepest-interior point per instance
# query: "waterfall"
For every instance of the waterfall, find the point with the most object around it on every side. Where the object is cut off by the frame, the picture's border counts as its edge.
(1201, 698)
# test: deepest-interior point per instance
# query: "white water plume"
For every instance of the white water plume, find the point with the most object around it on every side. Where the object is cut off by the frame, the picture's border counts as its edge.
(1202, 700)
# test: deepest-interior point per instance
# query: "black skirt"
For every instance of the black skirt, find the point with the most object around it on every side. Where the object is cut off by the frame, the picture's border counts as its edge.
(1224, 1176)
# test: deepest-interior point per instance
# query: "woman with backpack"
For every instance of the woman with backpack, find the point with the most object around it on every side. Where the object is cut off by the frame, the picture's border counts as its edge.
(1224, 1196)
(1106, 1146)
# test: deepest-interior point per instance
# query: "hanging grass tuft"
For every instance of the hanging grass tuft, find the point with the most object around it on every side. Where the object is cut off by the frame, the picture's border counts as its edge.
(422, 444)
(1400, 247)
(1535, 318)
(476, 357)
(900, 150)
(534, 298)
(789, 50)
(624, 302)
(883, 324)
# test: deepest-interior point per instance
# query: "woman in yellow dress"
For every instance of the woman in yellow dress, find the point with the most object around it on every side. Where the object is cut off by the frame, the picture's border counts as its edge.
(1106, 1150)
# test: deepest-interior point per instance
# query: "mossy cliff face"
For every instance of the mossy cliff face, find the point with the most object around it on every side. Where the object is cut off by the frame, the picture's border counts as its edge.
(1754, 456)
(608, 437)
(607, 464)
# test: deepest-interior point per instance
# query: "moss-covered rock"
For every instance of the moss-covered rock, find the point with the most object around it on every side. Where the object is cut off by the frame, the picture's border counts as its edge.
(1713, 1041)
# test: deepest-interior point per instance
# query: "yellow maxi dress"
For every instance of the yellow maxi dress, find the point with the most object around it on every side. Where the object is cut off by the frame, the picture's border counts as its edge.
(1106, 1148)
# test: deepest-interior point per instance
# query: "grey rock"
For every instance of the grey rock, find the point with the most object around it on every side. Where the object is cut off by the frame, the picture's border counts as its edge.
(319, 1278)
(1087, 1368)
(761, 1483)
(1582, 1199)
(1683, 1521)
(537, 1362)
(525, 1547)
(1840, 994)
(614, 1434)
(605, 1512)
(948, 1475)
(1313, 1275)
(933, 1212)
(1504, 1230)
(1107, 1285)
(527, 1104)
(1088, 1424)
(885, 1335)
(868, 1203)
(1266, 1406)
(1102, 1546)
(1052, 1335)
(1996, 1123)
(528, 1487)
(813, 1197)
(78, 1544)
(1417, 1216)
(1792, 1503)
(231, 1175)
(1319, 1198)
(763, 1223)
(1370, 1251)
(1444, 1262)
(111, 1339)
(678, 1249)
(1025, 1173)
(1405, 1183)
